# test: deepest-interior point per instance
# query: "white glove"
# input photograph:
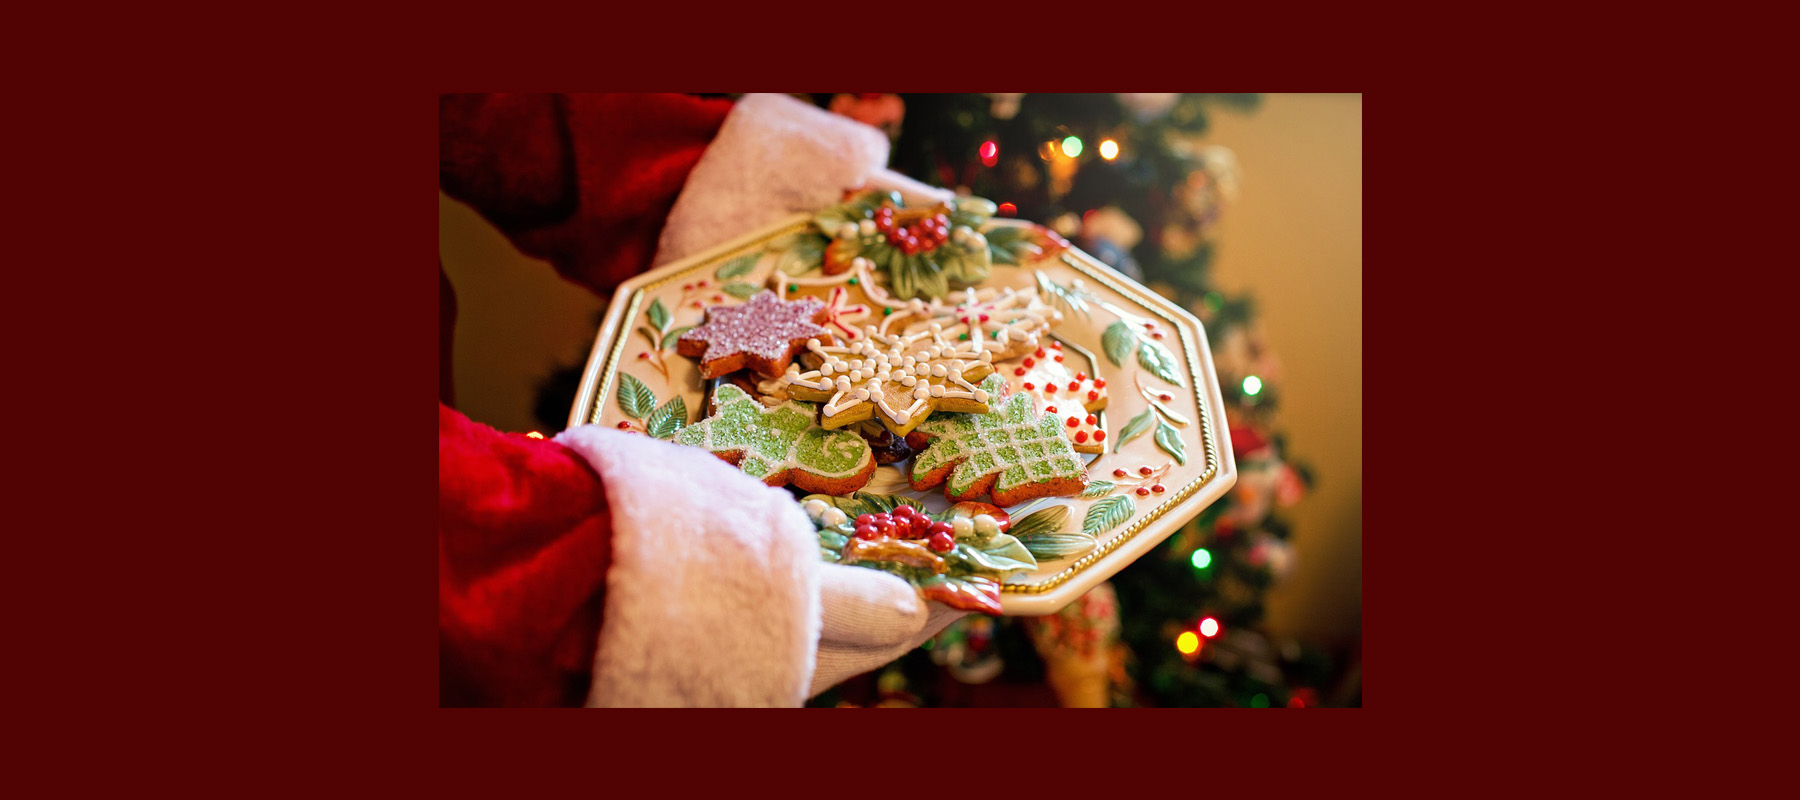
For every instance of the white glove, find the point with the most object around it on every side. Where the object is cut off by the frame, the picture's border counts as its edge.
(870, 618)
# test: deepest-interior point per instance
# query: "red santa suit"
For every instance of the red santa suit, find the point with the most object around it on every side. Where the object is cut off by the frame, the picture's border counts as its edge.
(603, 568)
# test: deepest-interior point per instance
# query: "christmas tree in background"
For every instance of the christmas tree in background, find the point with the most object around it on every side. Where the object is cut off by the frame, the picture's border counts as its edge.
(1125, 178)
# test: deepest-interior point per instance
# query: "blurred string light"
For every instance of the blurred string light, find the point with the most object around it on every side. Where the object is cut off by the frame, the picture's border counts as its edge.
(1209, 627)
(1202, 558)
(534, 435)
(1071, 146)
(1259, 701)
(1187, 643)
(990, 153)
(1047, 150)
(1109, 149)
(1252, 385)
(1008, 209)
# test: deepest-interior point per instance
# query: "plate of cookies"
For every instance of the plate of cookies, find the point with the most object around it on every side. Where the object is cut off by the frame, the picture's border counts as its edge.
(969, 403)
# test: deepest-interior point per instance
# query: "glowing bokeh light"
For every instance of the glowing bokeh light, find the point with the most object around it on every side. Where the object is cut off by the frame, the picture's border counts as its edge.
(1202, 558)
(1072, 146)
(990, 153)
(1252, 385)
(1209, 627)
(1187, 643)
(1008, 209)
(534, 435)
(1109, 149)
(1259, 701)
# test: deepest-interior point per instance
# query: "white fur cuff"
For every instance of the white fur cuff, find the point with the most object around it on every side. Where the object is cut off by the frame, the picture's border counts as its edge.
(712, 598)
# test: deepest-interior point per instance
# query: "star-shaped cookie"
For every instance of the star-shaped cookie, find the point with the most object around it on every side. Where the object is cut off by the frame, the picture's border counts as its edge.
(899, 380)
(1011, 453)
(763, 334)
(781, 445)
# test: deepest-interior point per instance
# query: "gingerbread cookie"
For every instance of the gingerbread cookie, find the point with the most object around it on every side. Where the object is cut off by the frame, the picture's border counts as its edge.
(851, 298)
(1074, 397)
(1007, 322)
(899, 380)
(781, 445)
(1011, 453)
(763, 334)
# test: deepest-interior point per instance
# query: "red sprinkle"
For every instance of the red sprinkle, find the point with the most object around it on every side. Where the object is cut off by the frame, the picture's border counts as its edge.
(984, 318)
(1056, 345)
(1099, 383)
(1050, 410)
(1074, 421)
(1059, 359)
(1074, 385)
(1091, 419)
(1081, 376)
(1143, 470)
(1028, 386)
(1100, 436)
(1093, 395)
(1049, 389)
(1081, 437)
(1028, 362)
(1040, 352)
(1018, 370)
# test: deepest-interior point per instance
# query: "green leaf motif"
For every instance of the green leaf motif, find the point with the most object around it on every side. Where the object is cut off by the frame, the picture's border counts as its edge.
(668, 420)
(1107, 514)
(1011, 556)
(1075, 302)
(1048, 520)
(1135, 428)
(742, 291)
(659, 316)
(1117, 341)
(1049, 546)
(1098, 488)
(1157, 359)
(675, 335)
(635, 399)
(737, 266)
(1170, 441)
(807, 253)
(1008, 244)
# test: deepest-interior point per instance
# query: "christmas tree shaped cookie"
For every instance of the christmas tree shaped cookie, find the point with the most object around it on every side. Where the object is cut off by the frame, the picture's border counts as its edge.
(763, 335)
(1011, 453)
(781, 445)
(899, 380)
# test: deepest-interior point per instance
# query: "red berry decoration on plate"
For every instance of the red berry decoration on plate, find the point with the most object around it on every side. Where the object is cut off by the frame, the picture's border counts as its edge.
(942, 542)
(1118, 473)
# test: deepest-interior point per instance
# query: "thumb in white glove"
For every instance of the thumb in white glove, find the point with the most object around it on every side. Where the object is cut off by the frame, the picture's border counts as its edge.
(869, 619)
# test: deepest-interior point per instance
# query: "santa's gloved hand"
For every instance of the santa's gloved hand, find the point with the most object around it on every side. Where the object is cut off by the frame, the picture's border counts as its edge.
(869, 619)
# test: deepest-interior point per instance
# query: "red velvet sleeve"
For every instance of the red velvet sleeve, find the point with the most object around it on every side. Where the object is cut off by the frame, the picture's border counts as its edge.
(583, 181)
(524, 536)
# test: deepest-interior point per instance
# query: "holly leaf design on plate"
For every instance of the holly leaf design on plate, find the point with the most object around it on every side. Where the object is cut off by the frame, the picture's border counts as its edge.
(668, 420)
(1037, 522)
(1097, 488)
(741, 291)
(674, 336)
(1117, 341)
(635, 399)
(1169, 439)
(658, 315)
(737, 267)
(1158, 360)
(1050, 546)
(1107, 514)
(1135, 428)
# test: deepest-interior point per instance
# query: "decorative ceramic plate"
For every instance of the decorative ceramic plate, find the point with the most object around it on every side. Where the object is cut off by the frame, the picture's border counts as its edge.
(1162, 457)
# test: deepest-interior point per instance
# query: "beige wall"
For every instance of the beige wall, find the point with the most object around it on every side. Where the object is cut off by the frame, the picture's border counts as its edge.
(1294, 239)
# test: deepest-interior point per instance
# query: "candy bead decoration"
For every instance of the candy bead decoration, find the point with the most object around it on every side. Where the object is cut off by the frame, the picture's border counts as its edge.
(1062, 392)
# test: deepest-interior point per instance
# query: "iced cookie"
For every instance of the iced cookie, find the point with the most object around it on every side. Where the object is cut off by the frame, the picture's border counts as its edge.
(1011, 453)
(781, 445)
(763, 335)
(899, 380)
(852, 299)
(1074, 397)
(1007, 322)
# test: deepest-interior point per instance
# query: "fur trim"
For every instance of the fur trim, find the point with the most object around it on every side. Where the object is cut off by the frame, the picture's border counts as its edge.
(713, 594)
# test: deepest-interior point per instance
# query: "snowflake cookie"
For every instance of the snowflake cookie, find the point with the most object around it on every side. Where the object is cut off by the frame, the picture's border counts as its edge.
(1011, 453)
(1006, 321)
(781, 445)
(900, 380)
(763, 334)
(1074, 397)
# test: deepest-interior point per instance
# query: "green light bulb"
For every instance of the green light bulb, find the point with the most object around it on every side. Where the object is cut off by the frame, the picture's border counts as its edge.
(1202, 559)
